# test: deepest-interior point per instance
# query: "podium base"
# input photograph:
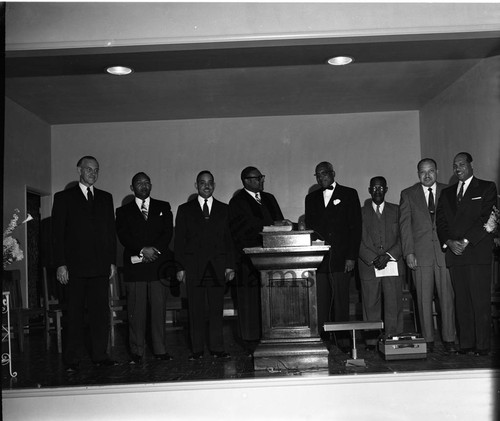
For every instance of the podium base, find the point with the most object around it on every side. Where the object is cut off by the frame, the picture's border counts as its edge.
(290, 355)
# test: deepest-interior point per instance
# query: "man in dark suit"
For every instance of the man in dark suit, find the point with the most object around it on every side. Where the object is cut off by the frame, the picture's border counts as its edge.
(204, 254)
(424, 256)
(380, 248)
(463, 210)
(334, 213)
(84, 243)
(249, 211)
(145, 227)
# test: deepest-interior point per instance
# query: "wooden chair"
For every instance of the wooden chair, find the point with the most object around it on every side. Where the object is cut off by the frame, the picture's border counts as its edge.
(117, 304)
(21, 317)
(53, 308)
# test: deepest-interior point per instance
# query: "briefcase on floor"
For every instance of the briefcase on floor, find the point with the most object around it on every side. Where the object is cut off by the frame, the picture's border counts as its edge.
(405, 346)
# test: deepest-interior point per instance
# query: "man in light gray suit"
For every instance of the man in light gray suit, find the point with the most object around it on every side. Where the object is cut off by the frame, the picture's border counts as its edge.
(424, 256)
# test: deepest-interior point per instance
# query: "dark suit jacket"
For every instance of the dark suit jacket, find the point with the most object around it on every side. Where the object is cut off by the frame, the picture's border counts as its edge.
(418, 233)
(338, 224)
(199, 241)
(84, 237)
(467, 220)
(370, 240)
(247, 218)
(134, 232)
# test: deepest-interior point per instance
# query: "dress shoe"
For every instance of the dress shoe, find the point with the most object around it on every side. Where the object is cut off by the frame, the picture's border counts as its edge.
(220, 354)
(466, 351)
(195, 356)
(135, 359)
(105, 363)
(430, 347)
(449, 347)
(72, 368)
(481, 352)
(163, 357)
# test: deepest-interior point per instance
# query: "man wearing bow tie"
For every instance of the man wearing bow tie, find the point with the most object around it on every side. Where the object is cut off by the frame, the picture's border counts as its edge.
(249, 211)
(424, 256)
(84, 244)
(145, 227)
(334, 213)
(463, 210)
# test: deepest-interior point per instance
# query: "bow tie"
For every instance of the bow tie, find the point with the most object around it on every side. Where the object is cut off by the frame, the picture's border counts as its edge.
(327, 188)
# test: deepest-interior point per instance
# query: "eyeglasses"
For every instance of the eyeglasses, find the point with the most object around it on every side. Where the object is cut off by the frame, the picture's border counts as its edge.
(91, 170)
(323, 173)
(377, 188)
(257, 177)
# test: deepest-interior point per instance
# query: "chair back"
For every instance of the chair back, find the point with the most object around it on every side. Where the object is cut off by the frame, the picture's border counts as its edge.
(52, 290)
(12, 283)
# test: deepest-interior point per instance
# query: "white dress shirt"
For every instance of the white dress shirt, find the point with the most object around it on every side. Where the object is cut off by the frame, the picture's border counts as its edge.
(84, 188)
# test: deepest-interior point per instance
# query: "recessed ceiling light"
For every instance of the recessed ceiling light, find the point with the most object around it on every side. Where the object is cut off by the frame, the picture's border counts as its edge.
(340, 60)
(119, 70)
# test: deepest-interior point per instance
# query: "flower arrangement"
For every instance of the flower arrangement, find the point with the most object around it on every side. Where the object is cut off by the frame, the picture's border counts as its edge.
(11, 248)
(492, 223)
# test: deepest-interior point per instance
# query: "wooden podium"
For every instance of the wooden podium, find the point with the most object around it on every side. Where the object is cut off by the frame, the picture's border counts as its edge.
(290, 333)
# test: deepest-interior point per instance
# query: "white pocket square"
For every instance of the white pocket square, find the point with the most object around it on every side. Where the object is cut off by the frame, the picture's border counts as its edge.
(161, 213)
(336, 202)
(477, 198)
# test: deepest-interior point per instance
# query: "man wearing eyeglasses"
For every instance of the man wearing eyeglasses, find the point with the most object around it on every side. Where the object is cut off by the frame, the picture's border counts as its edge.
(380, 263)
(333, 211)
(249, 211)
(84, 246)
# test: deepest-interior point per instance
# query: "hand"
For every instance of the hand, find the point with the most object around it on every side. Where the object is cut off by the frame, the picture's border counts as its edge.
(457, 247)
(287, 222)
(229, 274)
(181, 276)
(349, 265)
(381, 261)
(112, 271)
(411, 261)
(150, 254)
(62, 275)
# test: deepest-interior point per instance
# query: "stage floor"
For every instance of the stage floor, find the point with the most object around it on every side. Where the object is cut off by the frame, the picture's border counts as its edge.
(39, 368)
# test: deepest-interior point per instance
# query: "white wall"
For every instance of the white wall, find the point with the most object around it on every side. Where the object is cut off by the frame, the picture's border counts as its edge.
(285, 149)
(466, 117)
(431, 396)
(32, 25)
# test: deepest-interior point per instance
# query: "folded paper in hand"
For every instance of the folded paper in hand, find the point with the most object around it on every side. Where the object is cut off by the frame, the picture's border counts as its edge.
(390, 270)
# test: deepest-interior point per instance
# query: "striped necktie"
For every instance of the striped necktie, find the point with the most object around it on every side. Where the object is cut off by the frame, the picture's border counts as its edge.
(378, 213)
(257, 198)
(144, 210)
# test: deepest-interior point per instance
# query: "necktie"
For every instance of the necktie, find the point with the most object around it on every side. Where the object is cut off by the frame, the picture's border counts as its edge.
(144, 210)
(327, 188)
(460, 193)
(206, 213)
(90, 196)
(378, 213)
(431, 205)
(257, 198)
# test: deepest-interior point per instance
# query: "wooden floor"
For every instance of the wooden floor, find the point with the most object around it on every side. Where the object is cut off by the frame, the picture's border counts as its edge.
(39, 368)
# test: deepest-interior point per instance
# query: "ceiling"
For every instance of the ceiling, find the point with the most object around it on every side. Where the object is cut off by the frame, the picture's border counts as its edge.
(241, 79)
